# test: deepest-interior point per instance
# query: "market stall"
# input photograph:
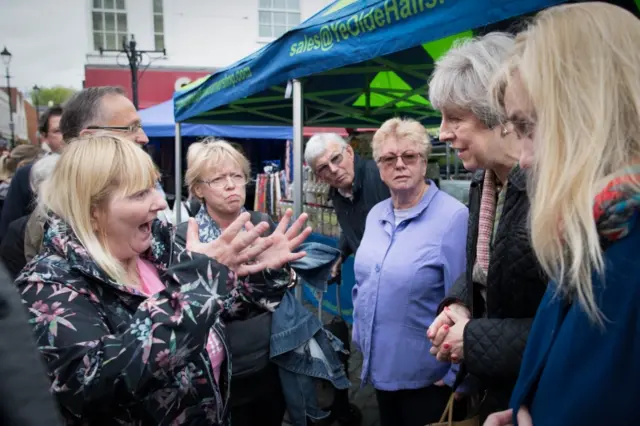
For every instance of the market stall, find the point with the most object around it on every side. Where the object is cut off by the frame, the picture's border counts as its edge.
(158, 121)
(353, 64)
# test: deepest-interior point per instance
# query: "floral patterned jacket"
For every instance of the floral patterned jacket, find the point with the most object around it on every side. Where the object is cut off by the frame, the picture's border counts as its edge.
(117, 357)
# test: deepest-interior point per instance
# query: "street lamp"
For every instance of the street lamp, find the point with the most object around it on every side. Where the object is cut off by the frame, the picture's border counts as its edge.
(6, 59)
(36, 99)
(135, 58)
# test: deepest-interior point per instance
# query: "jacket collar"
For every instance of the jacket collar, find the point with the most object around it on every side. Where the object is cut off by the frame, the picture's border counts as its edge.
(517, 178)
(60, 240)
(208, 229)
(389, 216)
(359, 166)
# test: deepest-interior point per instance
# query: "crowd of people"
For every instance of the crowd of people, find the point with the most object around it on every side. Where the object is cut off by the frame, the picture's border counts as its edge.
(520, 308)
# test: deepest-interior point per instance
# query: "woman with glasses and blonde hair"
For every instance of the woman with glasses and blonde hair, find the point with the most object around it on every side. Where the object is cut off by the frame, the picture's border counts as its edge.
(217, 176)
(571, 93)
(484, 321)
(128, 321)
(412, 251)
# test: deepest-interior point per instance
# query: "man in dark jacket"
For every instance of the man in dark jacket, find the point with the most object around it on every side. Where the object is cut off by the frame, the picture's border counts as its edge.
(24, 388)
(355, 186)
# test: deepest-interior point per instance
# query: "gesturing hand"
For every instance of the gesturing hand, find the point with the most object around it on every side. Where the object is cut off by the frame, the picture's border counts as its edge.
(233, 248)
(284, 241)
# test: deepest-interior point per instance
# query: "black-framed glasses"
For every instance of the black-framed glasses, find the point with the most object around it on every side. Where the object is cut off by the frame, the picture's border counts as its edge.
(324, 169)
(408, 158)
(221, 182)
(133, 128)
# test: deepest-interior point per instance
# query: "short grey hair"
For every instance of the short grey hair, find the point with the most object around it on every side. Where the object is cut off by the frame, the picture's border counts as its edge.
(317, 145)
(83, 109)
(42, 170)
(462, 77)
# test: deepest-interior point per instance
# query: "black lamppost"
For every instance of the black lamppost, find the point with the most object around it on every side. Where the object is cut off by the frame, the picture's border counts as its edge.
(134, 57)
(36, 99)
(6, 59)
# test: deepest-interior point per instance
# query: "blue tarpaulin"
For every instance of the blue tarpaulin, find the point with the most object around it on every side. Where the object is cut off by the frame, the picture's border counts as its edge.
(158, 121)
(360, 61)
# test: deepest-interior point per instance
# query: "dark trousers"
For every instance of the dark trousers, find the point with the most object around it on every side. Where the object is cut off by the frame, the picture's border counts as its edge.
(258, 399)
(412, 407)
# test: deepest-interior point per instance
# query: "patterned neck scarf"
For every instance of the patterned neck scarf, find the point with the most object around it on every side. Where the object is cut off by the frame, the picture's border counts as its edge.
(208, 229)
(616, 207)
(486, 221)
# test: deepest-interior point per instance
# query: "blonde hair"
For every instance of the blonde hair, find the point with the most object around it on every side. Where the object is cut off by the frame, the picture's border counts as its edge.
(19, 156)
(88, 174)
(402, 128)
(578, 65)
(209, 154)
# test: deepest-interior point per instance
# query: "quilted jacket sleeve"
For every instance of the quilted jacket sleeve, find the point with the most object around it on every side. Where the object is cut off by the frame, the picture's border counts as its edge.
(493, 348)
(91, 363)
(457, 294)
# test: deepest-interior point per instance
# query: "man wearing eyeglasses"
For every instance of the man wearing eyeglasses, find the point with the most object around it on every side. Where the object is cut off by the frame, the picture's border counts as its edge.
(104, 109)
(355, 187)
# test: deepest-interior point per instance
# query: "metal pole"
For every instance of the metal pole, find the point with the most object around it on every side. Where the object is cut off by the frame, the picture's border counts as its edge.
(133, 65)
(134, 57)
(11, 125)
(298, 118)
(178, 175)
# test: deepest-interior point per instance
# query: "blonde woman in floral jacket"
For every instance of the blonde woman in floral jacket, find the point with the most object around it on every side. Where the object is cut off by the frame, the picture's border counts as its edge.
(128, 323)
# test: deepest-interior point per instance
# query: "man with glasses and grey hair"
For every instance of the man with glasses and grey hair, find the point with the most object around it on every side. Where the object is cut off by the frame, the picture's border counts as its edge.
(355, 187)
(105, 109)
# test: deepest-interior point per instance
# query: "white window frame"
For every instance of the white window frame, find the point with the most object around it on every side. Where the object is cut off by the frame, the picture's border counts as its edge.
(272, 7)
(157, 33)
(116, 11)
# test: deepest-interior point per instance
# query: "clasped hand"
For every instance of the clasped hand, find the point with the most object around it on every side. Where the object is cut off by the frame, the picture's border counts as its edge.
(248, 252)
(446, 333)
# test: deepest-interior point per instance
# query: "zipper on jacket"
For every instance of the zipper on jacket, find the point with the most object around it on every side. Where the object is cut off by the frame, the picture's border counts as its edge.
(227, 395)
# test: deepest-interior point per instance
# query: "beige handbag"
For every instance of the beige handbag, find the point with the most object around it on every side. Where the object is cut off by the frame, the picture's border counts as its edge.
(447, 417)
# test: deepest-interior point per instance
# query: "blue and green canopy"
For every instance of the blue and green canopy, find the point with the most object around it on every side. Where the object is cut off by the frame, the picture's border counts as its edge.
(360, 61)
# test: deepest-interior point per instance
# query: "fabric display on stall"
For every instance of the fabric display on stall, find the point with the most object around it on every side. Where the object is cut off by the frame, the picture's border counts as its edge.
(270, 188)
(288, 162)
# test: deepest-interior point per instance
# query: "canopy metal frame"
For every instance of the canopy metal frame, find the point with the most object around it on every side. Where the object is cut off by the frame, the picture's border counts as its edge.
(319, 110)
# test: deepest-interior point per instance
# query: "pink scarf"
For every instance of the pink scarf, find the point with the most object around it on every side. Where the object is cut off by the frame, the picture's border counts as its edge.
(487, 216)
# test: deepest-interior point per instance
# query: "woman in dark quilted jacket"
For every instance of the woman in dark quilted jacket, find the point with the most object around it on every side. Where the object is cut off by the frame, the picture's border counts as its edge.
(485, 320)
(127, 320)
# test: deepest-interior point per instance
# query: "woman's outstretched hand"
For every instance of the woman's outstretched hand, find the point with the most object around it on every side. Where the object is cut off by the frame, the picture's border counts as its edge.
(284, 241)
(234, 248)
